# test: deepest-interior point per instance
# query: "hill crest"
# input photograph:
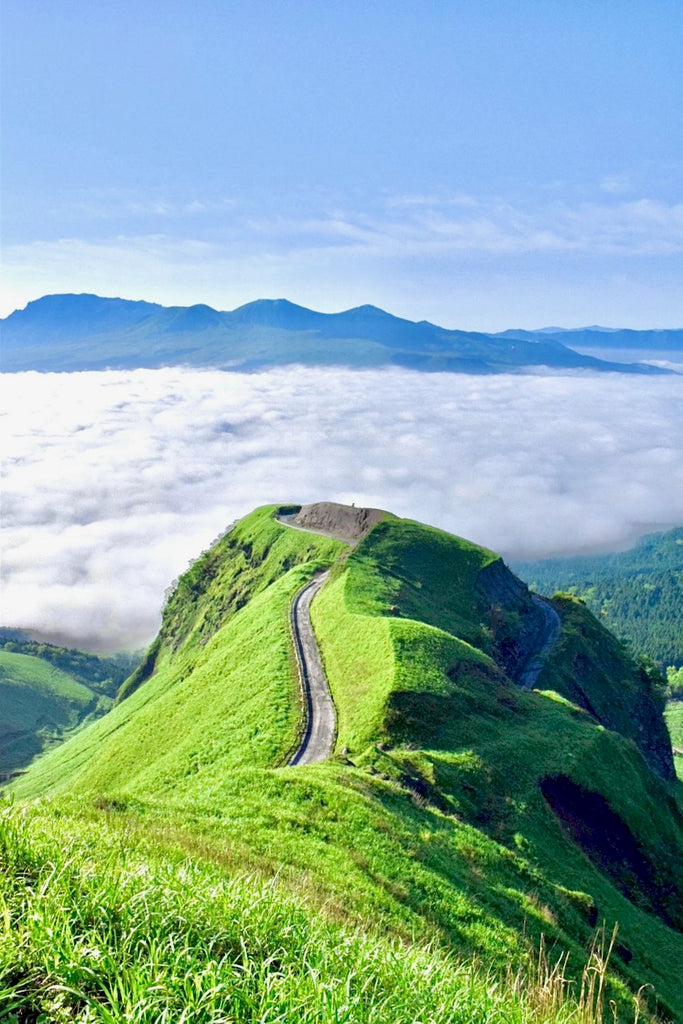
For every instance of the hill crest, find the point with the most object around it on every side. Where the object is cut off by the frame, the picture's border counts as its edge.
(456, 800)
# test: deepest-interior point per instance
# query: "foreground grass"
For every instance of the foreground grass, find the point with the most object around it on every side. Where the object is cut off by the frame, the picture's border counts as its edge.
(98, 924)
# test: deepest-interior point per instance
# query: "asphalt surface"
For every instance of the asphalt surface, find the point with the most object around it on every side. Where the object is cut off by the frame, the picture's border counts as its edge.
(319, 735)
(532, 670)
(317, 742)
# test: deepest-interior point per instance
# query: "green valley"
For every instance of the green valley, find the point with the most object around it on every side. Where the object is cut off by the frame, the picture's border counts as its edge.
(638, 593)
(45, 691)
(473, 850)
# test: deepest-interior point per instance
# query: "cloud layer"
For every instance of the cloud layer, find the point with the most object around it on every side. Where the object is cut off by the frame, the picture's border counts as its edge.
(114, 481)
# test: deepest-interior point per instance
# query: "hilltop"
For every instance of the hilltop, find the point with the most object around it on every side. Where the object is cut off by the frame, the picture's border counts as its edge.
(462, 813)
(86, 332)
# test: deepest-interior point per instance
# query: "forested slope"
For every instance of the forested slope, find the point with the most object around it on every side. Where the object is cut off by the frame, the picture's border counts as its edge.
(638, 593)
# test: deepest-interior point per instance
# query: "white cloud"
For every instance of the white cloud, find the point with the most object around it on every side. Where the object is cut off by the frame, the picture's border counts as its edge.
(114, 480)
(477, 263)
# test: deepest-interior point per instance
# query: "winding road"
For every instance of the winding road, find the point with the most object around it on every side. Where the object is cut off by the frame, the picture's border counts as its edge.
(317, 741)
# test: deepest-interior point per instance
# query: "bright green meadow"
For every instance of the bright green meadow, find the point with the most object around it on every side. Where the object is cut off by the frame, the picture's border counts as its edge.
(472, 852)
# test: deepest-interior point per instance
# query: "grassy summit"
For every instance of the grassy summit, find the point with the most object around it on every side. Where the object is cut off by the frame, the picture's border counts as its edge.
(461, 816)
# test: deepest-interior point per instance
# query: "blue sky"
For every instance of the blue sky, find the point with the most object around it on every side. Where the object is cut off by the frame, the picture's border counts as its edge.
(479, 164)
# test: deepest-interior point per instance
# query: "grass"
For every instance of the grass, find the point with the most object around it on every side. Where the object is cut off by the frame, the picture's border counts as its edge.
(100, 925)
(359, 662)
(217, 700)
(37, 703)
(406, 569)
(166, 734)
(372, 645)
(593, 669)
(428, 835)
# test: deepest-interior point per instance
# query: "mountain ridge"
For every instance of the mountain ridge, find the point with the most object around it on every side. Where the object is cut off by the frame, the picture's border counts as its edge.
(457, 808)
(79, 332)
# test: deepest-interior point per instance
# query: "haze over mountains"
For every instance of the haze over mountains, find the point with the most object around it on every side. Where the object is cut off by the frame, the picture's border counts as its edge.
(85, 332)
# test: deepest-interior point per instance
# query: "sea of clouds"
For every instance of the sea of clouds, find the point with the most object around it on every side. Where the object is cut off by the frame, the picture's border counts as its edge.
(113, 481)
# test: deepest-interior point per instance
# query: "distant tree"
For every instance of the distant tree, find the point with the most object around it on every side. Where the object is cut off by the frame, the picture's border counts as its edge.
(674, 677)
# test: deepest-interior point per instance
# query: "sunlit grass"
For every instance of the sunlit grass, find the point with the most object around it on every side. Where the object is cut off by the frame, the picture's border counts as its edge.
(97, 925)
(674, 721)
(341, 891)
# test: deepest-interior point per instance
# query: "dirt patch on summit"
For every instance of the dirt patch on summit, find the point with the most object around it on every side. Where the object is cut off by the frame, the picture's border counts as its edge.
(343, 521)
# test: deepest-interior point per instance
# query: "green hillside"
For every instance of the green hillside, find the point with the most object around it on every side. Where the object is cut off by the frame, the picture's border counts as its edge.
(46, 691)
(223, 655)
(37, 704)
(638, 594)
(463, 821)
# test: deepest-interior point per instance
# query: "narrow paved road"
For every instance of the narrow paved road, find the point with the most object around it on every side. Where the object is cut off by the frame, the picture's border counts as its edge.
(551, 629)
(321, 721)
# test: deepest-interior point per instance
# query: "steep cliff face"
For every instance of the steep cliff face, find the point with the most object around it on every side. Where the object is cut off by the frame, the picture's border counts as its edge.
(516, 622)
(592, 668)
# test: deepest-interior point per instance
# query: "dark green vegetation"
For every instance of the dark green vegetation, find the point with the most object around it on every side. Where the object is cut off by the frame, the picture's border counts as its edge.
(638, 594)
(84, 332)
(174, 866)
(47, 690)
(675, 683)
(674, 721)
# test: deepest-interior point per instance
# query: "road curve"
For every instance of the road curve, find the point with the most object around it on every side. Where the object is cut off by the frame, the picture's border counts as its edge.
(317, 741)
(551, 628)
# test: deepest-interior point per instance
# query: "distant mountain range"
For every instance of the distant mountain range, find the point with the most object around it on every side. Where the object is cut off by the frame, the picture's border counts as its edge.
(87, 332)
(606, 337)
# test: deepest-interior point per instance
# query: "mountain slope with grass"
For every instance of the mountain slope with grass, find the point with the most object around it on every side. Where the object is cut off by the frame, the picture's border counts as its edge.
(45, 691)
(674, 721)
(461, 818)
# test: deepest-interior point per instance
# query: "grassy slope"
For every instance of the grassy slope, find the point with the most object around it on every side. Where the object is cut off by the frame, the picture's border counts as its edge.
(224, 690)
(214, 949)
(433, 827)
(467, 741)
(378, 622)
(37, 701)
